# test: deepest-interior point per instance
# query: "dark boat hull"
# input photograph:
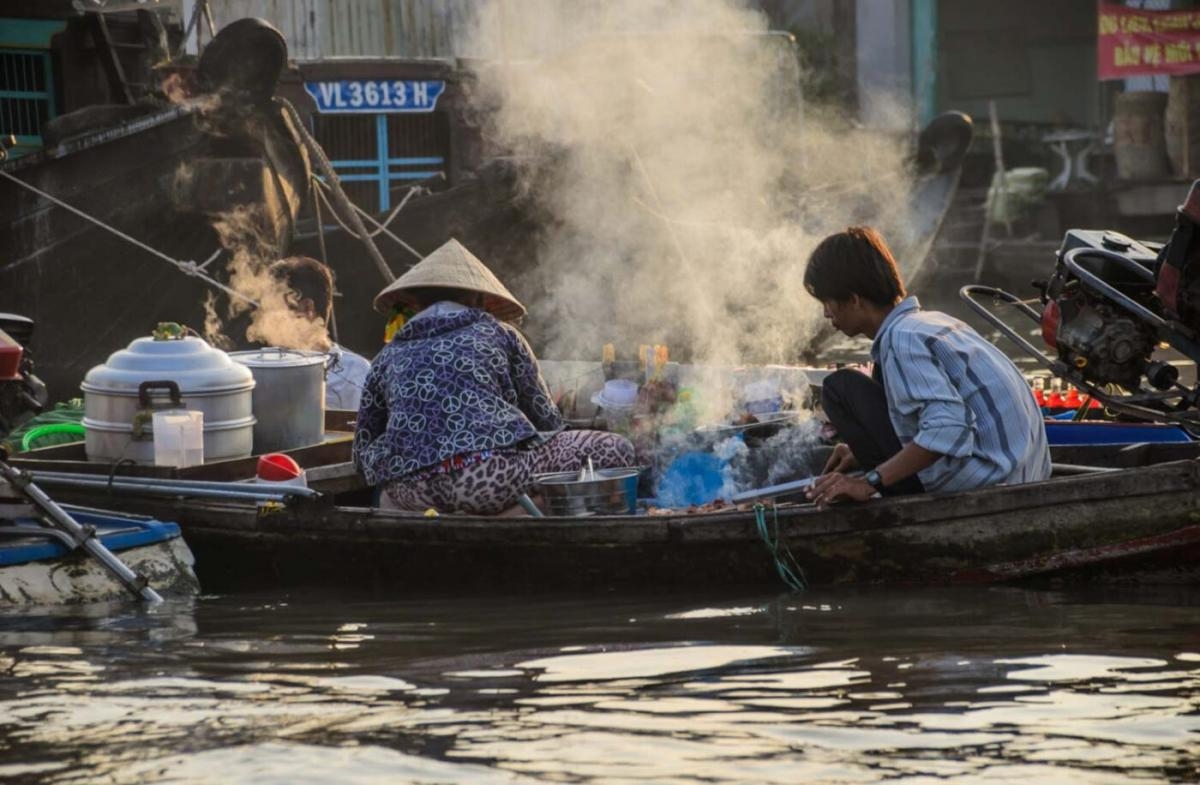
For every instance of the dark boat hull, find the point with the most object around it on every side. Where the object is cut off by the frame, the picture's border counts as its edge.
(164, 180)
(1139, 523)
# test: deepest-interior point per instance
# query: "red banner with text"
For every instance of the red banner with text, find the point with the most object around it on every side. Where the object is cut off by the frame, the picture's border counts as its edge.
(1133, 42)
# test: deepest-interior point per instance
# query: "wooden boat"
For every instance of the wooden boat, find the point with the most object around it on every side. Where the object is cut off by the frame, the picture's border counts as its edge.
(37, 568)
(1137, 523)
(1114, 511)
(172, 176)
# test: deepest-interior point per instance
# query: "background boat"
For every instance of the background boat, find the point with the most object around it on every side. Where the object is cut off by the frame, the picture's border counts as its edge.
(188, 178)
(37, 569)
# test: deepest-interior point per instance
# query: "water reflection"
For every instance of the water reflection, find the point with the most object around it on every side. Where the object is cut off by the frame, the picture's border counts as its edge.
(995, 684)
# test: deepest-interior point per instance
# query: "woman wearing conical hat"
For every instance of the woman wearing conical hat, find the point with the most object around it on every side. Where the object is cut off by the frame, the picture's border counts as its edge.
(455, 415)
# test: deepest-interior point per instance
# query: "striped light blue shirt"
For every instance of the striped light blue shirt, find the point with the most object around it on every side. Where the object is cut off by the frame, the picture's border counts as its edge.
(955, 394)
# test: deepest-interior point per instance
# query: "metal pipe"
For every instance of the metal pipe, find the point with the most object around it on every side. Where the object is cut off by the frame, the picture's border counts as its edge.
(164, 490)
(779, 490)
(296, 490)
(967, 295)
(161, 482)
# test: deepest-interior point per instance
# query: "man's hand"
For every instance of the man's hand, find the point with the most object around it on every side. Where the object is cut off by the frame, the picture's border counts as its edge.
(840, 460)
(835, 486)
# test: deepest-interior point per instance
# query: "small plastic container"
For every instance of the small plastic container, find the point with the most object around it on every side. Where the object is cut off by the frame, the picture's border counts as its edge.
(178, 438)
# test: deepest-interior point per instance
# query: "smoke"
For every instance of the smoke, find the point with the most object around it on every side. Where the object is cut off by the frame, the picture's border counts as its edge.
(684, 180)
(244, 234)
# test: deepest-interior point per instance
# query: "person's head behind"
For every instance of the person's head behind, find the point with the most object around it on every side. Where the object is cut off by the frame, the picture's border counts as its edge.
(422, 297)
(854, 262)
(309, 284)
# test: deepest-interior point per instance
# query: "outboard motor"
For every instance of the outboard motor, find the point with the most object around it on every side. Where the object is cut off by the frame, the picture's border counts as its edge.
(1084, 323)
(22, 395)
(1111, 302)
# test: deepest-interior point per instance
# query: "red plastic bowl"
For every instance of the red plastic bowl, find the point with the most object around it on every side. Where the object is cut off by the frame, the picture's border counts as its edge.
(277, 467)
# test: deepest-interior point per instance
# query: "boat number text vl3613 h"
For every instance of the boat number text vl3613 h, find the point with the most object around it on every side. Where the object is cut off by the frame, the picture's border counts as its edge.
(375, 95)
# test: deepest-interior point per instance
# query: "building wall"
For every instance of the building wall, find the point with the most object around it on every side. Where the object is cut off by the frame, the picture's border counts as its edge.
(1038, 64)
(316, 29)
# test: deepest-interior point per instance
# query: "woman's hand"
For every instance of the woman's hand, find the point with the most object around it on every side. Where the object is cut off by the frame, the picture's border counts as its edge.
(836, 486)
(840, 460)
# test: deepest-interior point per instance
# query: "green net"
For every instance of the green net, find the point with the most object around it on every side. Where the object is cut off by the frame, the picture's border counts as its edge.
(60, 425)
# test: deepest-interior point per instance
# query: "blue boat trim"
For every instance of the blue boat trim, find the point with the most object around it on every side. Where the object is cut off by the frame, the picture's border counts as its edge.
(1085, 432)
(122, 534)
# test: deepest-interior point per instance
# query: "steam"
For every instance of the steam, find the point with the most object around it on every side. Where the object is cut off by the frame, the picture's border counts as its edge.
(243, 234)
(246, 235)
(684, 182)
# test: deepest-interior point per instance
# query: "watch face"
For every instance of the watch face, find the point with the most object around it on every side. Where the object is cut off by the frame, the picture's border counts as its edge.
(874, 480)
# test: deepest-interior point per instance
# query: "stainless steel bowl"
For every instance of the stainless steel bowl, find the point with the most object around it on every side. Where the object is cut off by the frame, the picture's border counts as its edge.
(613, 492)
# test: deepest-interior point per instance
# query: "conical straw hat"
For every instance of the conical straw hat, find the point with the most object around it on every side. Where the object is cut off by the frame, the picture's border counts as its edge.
(452, 266)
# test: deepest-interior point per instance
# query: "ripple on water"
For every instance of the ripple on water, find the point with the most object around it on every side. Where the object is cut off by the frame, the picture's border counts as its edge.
(702, 692)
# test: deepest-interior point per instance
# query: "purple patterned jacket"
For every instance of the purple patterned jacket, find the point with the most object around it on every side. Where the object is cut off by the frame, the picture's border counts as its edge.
(449, 385)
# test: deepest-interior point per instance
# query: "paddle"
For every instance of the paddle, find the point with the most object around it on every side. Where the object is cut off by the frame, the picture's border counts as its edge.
(83, 536)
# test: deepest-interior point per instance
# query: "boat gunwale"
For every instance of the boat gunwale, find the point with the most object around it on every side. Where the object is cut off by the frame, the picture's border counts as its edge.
(86, 140)
(321, 519)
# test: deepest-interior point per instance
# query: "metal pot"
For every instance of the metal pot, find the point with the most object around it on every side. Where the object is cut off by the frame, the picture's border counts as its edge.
(161, 374)
(613, 492)
(289, 397)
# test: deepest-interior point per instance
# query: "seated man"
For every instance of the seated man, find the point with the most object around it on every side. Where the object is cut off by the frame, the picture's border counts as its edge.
(945, 409)
(310, 285)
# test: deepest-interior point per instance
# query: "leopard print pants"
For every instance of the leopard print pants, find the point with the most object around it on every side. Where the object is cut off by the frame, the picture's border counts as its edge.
(492, 485)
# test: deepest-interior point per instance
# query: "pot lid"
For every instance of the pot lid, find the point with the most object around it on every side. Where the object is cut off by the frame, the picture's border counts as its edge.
(277, 357)
(189, 362)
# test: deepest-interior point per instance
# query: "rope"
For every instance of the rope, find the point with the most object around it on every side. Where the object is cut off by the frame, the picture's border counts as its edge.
(188, 268)
(785, 563)
(382, 228)
(317, 155)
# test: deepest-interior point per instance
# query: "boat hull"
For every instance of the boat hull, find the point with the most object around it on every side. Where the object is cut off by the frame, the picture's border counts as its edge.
(1137, 524)
(62, 577)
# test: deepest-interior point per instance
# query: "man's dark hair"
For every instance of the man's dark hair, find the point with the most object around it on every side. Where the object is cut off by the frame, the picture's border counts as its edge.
(309, 279)
(856, 261)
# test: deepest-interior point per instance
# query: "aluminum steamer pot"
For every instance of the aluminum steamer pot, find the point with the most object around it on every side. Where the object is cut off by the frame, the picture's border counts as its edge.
(289, 397)
(173, 373)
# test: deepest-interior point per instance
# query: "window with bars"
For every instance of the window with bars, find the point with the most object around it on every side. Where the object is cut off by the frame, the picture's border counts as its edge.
(376, 155)
(26, 97)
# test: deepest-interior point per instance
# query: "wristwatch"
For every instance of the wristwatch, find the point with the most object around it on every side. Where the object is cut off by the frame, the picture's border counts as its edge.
(874, 479)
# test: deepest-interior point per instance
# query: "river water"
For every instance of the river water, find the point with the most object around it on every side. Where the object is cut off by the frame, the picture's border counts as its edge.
(917, 686)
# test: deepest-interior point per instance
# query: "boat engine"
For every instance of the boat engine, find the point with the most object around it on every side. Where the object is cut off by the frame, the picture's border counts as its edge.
(22, 395)
(1111, 302)
(1081, 321)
